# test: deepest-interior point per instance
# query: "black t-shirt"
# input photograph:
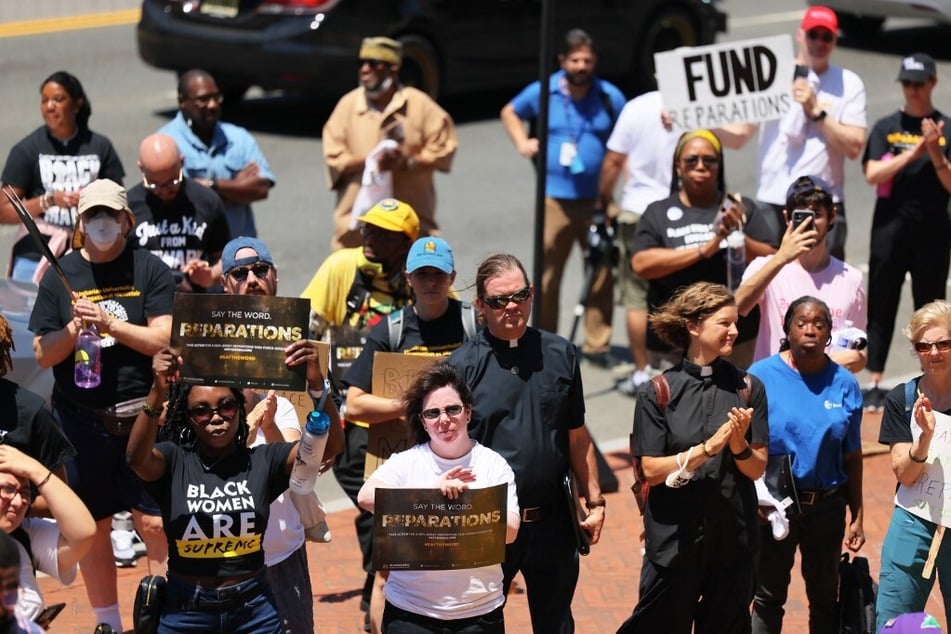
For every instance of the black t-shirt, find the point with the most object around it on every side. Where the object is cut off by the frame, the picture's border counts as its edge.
(713, 518)
(435, 338)
(669, 224)
(40, 163)
(917, 193)
(525, 399)
(33, 431)
(192, 226)
(133, 287)
(215, 518)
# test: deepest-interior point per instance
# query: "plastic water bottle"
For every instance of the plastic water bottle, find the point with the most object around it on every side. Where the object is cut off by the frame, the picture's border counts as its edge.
(735, 258)
(88, 356)
(884, 189)
(310, 452)
(849, 337)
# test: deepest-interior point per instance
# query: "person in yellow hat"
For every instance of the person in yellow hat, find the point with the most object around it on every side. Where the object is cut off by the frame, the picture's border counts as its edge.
(384, 130)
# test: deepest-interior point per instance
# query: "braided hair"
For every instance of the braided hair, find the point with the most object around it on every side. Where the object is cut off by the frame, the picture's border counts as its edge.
(6, 345)
(177, 428)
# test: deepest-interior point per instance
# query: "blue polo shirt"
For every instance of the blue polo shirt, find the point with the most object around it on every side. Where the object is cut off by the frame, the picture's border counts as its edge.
(586, 123)
(232, 147)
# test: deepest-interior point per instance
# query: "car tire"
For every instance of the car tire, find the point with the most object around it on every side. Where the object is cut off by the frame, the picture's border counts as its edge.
(420, 67)
(860, 27)
(665, 30)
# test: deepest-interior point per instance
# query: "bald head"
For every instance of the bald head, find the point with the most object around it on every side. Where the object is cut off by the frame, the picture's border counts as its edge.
(161, 165)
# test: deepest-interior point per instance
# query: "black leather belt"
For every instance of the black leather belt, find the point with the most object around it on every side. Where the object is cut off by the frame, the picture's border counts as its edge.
(532, 514)
(810, 498)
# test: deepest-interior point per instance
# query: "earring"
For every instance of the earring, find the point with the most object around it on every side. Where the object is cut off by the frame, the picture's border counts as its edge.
(187, 437)
(241, 436)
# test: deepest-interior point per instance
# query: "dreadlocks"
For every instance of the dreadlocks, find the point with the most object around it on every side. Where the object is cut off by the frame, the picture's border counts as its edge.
(6, 345)
(177, 429)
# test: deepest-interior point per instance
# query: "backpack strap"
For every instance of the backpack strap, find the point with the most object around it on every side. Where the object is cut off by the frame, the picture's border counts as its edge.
(745, 392)
(662, 390)
(469, 327)
(357, 295)
(911, 395)
(394, 326)
(21, 536)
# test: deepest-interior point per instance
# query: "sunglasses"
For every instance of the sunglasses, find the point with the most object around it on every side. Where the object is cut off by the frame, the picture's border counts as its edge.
(205, 100)
(709, 162)
(375, 63)
(202, 414)
(498, 302)
(433, 413)
(175, 182)
(95, 212)
(925, 346)
(240, 273)
(8, 492)
(822, 35)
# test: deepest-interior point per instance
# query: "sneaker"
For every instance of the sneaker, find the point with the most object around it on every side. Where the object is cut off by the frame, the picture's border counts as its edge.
(318, 533)
(123, 549)
(629, 384)
(104, 628)
(873, 399)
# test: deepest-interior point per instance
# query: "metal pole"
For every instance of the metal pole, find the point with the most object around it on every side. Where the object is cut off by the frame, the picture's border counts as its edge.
(545, 56)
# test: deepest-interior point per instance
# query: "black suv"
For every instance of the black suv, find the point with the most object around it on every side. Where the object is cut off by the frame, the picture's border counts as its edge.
(450, 46)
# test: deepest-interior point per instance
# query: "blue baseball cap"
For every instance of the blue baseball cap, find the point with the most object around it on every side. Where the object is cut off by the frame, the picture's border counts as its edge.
(228, 261)
(430, 251)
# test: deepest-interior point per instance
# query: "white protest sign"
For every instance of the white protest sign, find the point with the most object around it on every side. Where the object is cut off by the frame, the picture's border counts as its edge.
(733, 82)
(929, 497)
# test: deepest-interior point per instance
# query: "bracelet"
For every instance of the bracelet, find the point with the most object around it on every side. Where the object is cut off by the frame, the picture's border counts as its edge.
(743, 455)
(151, 412)
(703, 446)
(45, 480)
(596, 503)
(916, 460)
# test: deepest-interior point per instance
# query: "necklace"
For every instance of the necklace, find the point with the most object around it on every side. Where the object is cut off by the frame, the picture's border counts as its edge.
(209, 467)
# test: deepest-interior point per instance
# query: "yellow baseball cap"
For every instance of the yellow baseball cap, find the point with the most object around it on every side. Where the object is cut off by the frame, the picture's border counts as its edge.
(393, 215)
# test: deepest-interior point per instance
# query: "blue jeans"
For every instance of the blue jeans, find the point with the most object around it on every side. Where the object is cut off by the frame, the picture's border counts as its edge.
(290, 584)
(900, 585)
(244, 608)
(818, 533)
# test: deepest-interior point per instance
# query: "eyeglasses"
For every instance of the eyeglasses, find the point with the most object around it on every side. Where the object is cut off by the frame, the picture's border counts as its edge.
(709, 162)
(375, 63)
(202, 413)
(499, 302)
(907, 83)
(433, 413)
(260, 270)
(925, 346)
(8, 492)
(205, 100)
(175, 182)
(821, 34)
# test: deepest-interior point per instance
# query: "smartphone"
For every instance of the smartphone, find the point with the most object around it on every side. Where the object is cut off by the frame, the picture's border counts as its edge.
(47, 614)
(800, 216)
(801, 71)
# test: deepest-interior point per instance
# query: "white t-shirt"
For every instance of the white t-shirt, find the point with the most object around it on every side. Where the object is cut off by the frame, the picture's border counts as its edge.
(284, 533)
(44, 542)
(839, 285)
(446, 594)
(649, 147)
(794, 146)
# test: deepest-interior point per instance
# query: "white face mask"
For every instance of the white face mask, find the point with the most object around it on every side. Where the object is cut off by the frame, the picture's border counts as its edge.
(102, 231)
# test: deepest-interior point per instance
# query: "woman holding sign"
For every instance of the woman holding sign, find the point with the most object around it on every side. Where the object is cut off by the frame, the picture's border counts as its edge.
(916, 423)
(438, 408)
(214, 494)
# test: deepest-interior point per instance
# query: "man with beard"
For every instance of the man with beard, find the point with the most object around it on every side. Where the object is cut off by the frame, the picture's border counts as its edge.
(176, 218)
(581, 113)
(221, 156)
(399, 128)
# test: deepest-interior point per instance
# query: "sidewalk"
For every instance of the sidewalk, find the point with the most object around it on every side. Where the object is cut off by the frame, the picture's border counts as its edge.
(607, 589)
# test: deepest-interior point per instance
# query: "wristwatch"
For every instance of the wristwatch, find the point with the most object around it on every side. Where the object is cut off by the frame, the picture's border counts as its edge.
(819, 117)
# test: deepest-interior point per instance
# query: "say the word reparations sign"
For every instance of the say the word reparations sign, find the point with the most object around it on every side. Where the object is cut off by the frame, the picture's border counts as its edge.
(734, 82)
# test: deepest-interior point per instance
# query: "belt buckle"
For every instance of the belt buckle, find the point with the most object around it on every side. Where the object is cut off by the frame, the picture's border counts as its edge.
(808, 498)
(531, 514)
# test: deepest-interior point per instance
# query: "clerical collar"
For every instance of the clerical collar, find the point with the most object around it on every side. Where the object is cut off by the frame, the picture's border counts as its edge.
(701, 371)
(504, 343)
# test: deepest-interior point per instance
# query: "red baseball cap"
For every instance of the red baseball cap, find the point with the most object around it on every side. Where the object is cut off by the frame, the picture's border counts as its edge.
(820, 17)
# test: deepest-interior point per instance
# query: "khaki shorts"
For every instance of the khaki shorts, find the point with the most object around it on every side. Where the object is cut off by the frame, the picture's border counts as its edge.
(633, 290)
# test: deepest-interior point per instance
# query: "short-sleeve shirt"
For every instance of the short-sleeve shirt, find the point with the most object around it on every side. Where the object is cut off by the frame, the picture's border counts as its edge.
(133, 288)
(815, 418)
(895, 424)
(917, 194)
(839, 285)
(713, 518)
(41, 163)
(192, 226)
(33, 430)
(669, 224)
(526, 398)
(231, 149)
(585, 123)
(215, 518)
(43, 535)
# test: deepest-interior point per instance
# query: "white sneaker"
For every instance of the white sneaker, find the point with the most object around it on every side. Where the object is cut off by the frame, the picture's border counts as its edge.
(122, 548)
(629, 384)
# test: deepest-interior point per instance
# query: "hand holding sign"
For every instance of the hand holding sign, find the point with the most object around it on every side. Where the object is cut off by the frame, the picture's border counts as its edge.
(455, 481)
(166, 366)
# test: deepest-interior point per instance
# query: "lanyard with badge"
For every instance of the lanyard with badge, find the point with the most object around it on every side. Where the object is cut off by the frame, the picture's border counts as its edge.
(568, 153)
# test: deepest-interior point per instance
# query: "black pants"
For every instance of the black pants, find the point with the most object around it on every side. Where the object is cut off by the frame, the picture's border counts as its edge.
(546, 554)
(898, 247)
(348, 470)
(399, 621)
(702, 599)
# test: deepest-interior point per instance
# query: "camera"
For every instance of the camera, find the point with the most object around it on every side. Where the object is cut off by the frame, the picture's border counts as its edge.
(602, 248)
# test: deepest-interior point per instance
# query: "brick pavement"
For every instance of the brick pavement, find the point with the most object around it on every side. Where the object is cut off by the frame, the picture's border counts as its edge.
(606, 591)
